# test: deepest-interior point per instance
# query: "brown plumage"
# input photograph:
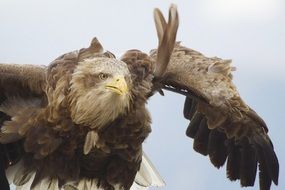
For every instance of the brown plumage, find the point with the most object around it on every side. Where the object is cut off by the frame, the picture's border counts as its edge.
(81, 120)
(221, 124)
(80, 123)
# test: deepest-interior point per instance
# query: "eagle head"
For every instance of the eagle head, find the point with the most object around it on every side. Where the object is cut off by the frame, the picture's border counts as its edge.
(99, 91)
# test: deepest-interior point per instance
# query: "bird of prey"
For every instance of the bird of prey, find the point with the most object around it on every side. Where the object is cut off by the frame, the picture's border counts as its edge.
(80, 122)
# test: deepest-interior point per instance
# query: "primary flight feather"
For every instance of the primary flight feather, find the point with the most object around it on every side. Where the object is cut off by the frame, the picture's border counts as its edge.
(80, 122)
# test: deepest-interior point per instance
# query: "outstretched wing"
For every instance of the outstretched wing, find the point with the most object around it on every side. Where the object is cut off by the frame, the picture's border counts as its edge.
(25, 82)
(20, 85)
(221, 124)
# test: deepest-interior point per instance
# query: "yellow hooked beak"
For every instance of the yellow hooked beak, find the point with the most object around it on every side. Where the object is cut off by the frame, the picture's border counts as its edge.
(118, 85)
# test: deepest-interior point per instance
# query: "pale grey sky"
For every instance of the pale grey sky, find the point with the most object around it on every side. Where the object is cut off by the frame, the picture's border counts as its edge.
(251, 32)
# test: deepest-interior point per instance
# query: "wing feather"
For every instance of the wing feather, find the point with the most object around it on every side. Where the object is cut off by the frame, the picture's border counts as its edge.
(16, 81)
(201, 138)
(194, 125)
(217, 149)
(190, 107)
(221, 124)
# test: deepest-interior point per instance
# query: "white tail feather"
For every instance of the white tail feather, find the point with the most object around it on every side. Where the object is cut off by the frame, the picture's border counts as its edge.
(27, 186)
(11, 171)
(147, 176)
(136, 186)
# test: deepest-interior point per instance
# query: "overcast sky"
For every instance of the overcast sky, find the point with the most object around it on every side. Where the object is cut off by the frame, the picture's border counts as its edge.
(250, 32)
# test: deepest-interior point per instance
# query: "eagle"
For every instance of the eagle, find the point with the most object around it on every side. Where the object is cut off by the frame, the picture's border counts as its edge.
(80, 122)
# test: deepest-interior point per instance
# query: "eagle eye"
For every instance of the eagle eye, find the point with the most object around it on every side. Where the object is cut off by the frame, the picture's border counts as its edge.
(103, 76)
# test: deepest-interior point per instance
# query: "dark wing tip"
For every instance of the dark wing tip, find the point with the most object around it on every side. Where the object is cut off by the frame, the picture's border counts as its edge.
(243, 155)
(194, 125)
(268, 161)
(190, 107)
(217, 149)
(201, 138)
